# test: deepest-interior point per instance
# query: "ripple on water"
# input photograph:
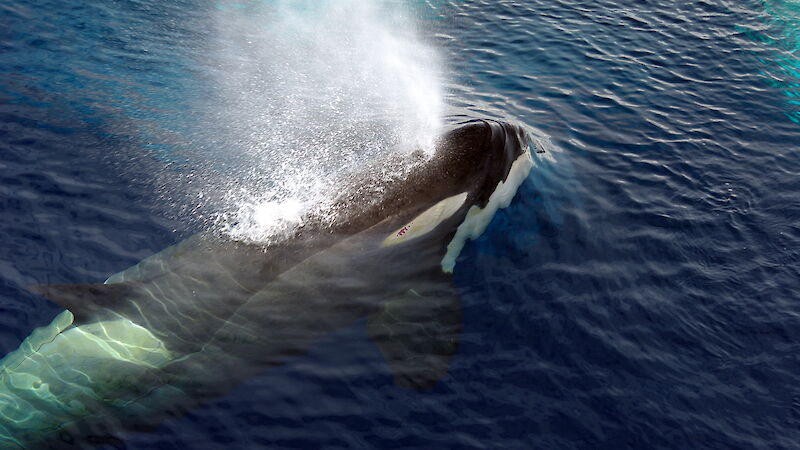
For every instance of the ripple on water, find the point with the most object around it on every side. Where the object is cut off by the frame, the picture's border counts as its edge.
(640, 292)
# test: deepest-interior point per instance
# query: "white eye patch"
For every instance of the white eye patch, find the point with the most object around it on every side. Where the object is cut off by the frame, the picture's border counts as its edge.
(427, 221)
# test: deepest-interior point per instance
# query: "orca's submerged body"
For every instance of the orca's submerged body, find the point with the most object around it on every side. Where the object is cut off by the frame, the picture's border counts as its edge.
(195, 320)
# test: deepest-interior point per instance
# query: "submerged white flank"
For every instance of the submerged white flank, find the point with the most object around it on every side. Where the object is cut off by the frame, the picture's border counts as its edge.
(427, 221)
(478, 218)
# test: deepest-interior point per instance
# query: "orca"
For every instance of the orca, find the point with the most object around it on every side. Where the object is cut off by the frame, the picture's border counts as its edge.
(193, 321)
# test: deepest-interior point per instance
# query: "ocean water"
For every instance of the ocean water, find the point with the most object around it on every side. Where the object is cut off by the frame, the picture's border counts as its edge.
(642, 291)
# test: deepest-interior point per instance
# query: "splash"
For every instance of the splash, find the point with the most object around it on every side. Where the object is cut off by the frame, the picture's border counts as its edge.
(307, 92)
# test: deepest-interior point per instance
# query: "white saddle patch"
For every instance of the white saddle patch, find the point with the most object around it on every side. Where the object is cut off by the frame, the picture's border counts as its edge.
(427, 221)
(478, 218)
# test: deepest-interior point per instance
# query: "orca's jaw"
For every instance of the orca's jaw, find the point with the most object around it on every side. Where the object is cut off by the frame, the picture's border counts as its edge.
(477, 218)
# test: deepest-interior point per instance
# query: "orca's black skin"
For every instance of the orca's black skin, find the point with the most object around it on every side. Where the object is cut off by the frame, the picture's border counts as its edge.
(229, 309)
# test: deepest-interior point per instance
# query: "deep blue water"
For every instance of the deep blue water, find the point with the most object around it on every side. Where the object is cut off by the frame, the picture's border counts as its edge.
(642, 291)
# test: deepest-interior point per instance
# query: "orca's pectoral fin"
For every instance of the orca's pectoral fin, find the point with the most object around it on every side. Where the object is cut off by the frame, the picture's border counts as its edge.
(418, 334)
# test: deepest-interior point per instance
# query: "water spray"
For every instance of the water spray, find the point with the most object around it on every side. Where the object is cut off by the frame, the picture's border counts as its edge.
(307, 93)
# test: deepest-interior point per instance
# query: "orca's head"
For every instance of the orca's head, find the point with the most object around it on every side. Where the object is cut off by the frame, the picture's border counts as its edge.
(476, 170)
(477, 155)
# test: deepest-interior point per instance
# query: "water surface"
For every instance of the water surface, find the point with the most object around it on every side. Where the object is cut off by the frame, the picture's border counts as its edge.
(640, 292)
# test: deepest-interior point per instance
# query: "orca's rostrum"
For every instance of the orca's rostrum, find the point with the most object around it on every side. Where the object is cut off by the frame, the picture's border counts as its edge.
(195, 320)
